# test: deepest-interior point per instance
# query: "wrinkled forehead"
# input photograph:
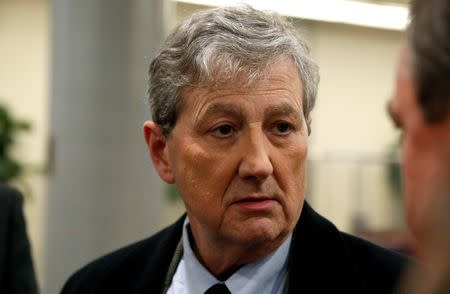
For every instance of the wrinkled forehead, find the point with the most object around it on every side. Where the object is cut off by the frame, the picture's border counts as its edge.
(280, 81)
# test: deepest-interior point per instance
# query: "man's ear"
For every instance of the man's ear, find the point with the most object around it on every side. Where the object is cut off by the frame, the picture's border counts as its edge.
(158, 150)
(308, 123)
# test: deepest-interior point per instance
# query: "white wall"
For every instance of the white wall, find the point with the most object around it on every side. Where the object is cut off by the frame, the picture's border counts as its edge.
(350, 123)
(357, 69)
(24, 50)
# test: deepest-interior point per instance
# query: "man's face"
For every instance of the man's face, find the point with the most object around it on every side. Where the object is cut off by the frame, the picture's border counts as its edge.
(238, 157)
(425, 150)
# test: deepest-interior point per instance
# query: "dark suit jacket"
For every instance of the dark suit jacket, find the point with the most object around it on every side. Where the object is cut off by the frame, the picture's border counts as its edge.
(16, 267)
(322, 260)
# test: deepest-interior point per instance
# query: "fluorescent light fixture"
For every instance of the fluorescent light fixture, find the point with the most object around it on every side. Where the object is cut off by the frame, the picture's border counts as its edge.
(383, 16)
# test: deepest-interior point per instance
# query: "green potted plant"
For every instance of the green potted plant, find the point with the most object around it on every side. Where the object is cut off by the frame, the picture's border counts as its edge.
(10, 168)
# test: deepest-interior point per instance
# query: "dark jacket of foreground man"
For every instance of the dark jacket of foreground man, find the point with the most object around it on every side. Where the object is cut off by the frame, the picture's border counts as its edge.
(322, 260)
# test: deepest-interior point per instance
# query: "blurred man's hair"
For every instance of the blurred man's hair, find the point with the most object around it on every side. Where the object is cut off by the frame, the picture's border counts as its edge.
(429, 37)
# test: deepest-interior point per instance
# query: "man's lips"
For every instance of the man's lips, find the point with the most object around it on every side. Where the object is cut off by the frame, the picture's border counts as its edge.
(255, 202)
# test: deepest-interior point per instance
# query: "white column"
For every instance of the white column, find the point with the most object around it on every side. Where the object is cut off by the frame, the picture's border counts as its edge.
(103, 192)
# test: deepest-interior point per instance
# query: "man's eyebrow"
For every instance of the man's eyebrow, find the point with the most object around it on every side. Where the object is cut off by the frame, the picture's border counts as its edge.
(223, 108)
(281, 109)
(393, 115)
(236, 110)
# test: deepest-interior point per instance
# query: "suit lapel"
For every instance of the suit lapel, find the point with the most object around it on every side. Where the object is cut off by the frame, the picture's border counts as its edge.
(153, 277)
(319, 260)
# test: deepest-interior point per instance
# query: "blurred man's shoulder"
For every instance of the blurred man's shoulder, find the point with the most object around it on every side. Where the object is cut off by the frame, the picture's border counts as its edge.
(134, 266)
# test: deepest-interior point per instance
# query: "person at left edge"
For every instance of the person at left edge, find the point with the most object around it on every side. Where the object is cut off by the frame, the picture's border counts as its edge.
(16, 266)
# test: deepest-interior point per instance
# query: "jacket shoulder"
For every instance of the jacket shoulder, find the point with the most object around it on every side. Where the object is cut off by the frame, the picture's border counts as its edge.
(10, 197)
(380, 269)
(347, 263)
(129, 269)
(17, 273)
(11, 202)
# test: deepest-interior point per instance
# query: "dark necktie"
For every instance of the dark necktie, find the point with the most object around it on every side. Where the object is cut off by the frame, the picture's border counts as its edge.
(218, 288)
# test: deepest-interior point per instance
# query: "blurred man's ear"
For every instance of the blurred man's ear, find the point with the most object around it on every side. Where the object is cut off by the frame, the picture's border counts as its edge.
(308, 123)
(158, 150)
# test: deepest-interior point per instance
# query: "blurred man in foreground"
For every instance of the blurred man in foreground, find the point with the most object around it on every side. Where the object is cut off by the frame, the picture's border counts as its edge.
(231, 94)
(421, 108)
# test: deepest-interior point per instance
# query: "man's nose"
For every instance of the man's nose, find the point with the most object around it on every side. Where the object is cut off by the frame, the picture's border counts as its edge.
(256, 162)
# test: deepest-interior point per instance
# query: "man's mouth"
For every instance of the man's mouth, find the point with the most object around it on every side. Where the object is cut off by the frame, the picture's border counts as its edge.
(256, 203)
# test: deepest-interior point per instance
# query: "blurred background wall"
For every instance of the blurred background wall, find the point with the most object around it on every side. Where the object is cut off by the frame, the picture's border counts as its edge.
(77, 71)
(24, 89)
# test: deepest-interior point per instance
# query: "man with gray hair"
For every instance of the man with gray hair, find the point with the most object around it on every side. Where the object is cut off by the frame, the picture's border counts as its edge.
(231, 92)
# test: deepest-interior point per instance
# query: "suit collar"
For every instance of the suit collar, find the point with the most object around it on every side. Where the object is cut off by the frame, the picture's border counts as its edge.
(318, 251)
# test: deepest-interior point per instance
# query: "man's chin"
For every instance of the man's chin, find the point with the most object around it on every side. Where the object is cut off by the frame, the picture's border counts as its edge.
(261, 230)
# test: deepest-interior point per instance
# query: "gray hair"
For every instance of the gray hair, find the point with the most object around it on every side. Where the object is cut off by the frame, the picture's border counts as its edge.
(225, 46)
(429, 40)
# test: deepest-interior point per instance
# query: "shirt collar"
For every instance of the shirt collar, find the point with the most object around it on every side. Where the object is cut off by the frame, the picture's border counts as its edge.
(265, 275)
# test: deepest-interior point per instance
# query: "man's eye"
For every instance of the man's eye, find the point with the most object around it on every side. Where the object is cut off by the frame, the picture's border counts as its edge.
(282, 128)
(223, 131)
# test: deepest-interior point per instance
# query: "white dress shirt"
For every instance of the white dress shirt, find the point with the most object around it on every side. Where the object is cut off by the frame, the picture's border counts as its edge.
(267, 275)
